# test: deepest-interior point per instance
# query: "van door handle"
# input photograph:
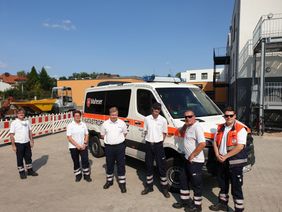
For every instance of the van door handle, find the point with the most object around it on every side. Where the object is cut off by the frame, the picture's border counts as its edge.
(126, 121)
(137, 122)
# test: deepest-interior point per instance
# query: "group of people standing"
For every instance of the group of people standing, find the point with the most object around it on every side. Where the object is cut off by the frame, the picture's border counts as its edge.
(229, 143)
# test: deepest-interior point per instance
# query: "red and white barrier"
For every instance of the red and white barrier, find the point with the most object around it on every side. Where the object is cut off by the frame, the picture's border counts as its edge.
(41, 125)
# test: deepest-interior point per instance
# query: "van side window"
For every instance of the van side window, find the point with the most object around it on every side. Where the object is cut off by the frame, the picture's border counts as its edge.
(95, 102)
(145, 99)
(119, 99)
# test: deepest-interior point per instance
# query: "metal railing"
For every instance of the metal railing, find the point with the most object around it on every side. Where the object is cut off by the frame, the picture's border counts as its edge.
(245, 54)
(273, 92)
(268, 26)
(221, 51)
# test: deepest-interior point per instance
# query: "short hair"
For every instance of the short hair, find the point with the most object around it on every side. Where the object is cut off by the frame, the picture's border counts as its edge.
(76, 111)
(189, 110)
(229, 108)
(157, 105)
(20, 110)
(113, 110)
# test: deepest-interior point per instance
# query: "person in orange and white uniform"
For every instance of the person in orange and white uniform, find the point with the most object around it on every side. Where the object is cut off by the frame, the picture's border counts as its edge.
(229, 147)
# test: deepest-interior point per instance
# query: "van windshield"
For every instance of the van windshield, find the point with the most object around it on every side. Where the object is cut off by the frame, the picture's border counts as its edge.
(178, 100)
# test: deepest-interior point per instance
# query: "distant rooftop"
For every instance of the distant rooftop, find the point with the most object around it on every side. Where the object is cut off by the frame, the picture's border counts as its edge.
(10, 78)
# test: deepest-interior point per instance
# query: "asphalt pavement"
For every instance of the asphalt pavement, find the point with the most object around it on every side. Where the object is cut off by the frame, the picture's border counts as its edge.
(55, 190)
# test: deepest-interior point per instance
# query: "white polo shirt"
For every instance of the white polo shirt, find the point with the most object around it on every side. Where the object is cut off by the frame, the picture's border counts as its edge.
(113, 131)
(77, 131)
(20, 129)
(241, 139)
(194, 135)
(154, 128)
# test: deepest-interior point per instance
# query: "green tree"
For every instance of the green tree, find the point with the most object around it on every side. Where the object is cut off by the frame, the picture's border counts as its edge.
(63, 78)
(178, 74)
(21, 73)
(45, 80)
(32, 79)
(84, 75)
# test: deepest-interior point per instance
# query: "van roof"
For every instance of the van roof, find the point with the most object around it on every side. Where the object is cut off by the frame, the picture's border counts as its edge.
(145, 84)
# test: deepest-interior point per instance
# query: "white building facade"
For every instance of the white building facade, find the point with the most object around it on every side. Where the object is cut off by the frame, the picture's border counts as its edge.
(203, 75)
(254, 44)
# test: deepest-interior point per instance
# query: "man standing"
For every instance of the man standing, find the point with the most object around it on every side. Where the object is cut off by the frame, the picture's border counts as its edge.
(22, 142)
(113, 131)
(229, 142)
(194, 143)
(155, 128)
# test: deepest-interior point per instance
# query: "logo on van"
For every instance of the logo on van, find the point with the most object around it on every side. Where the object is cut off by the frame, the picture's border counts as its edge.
(91, 101)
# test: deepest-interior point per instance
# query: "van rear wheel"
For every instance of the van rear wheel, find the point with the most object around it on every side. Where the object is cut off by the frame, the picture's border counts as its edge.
(174, 169)
(95, 147)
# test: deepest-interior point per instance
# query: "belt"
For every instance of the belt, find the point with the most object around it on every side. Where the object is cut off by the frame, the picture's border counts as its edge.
(114, 144)
(153, 143)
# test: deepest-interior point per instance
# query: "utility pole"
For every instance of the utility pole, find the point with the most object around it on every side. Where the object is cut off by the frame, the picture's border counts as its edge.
(261, 93)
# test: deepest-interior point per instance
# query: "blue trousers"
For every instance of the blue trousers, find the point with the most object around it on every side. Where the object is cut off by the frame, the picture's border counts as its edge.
(115, 154)
(192, 174)
(155, 151)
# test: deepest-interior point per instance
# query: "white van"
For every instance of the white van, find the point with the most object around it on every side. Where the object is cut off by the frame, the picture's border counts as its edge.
(134, 101)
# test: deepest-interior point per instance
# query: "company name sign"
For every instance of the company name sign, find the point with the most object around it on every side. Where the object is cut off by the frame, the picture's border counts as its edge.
(95, 101)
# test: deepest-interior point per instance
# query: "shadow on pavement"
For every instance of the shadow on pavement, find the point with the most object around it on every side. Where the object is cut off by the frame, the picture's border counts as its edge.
(38, 163)
(209, 181)
(141, 172)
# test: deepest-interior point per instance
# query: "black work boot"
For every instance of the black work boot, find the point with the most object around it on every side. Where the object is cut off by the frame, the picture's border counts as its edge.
(22, 175)
(30, 172)
(147, 189)
(182, 203)
(193, 208)
(78, 177)
(165, 192)
(108, 184)
(122, 187)
(219, 207)
(87, 178)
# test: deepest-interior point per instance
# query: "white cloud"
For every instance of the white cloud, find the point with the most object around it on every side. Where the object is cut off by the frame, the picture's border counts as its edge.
(3, 65)
(47, 67)
(64, 25)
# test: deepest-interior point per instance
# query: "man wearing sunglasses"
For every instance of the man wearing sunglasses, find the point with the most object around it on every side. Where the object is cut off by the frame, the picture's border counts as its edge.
(155, 128)
(194, 143)
(229, 147)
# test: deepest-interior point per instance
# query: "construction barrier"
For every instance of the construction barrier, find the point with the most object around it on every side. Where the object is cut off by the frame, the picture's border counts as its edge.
(41, 125)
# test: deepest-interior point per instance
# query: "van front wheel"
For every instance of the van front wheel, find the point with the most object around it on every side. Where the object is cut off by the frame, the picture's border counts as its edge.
(95, 147)
(174, 169)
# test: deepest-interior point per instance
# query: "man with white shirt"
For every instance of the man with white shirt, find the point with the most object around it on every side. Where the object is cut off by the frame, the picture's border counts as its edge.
(114, 131)
(194, 143)
(155, 128)
(22, 142)
(229, 147)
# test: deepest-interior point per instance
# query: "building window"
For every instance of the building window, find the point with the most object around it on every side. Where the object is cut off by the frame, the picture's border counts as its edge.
(204, 76)
(192, 76)
(217, 75)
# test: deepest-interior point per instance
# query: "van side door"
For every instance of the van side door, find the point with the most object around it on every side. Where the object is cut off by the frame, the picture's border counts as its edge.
(135, 141)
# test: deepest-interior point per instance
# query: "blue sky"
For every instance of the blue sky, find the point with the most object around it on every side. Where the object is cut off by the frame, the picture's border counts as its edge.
(126, 37)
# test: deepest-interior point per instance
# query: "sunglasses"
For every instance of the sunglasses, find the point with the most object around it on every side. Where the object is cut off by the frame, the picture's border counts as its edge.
(231, 116)
(189, 117)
